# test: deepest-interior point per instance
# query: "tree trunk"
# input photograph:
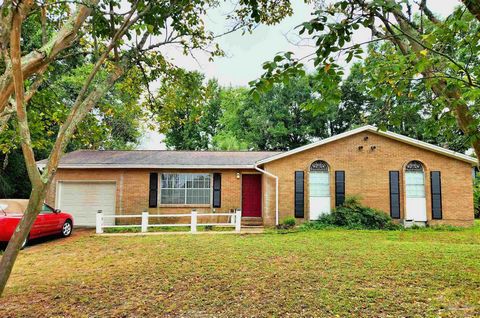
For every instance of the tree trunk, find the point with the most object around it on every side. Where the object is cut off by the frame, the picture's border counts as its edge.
(473, 6)
(38, 187)
(21, 232)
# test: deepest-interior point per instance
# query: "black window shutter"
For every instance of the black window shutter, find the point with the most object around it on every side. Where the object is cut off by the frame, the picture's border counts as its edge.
(339, 187)
(436, 188)
(153, 191)
(394, 194)
(217, 190)
(299, 194)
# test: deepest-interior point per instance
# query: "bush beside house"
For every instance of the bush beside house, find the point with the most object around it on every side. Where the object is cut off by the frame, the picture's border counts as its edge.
(353, 215)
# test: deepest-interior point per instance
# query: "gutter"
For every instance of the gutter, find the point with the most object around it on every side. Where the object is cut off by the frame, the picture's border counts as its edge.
(276, 189)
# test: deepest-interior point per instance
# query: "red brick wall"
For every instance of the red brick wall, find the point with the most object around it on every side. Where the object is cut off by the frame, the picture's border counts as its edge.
(366, 174)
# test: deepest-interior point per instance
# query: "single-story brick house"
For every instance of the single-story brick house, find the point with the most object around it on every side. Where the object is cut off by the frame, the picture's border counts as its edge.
(410, 179)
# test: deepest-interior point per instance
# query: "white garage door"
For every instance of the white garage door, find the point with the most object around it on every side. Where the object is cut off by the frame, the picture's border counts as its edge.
(84, 199)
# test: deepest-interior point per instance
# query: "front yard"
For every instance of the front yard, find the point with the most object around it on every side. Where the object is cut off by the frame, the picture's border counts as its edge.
(318, 273)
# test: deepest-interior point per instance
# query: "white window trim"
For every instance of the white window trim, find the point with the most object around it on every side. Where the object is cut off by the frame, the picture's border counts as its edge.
(159, 194)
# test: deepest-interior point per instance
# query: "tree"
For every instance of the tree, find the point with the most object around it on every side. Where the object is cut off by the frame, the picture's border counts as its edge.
(411, 113)
(187, 111)
(281, 118)
(123, 39)
(441, 53)
(230, 130)
(115, 123)
(289, 116)
(195, 116)
(14, 181)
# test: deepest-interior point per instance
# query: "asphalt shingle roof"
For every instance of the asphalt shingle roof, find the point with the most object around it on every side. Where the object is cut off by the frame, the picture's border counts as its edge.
(161, 158)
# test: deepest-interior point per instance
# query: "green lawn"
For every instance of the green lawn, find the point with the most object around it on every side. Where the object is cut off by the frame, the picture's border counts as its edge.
(326, 273)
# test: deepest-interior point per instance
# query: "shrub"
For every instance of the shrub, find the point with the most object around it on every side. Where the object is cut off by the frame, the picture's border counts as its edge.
(288, 223)
(353, 215)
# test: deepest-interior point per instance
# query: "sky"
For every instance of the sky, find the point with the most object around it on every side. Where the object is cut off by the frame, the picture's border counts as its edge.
(246, 53)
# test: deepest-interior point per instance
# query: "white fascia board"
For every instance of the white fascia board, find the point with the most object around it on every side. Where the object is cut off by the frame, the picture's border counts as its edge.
(389, 134)
(134, 166)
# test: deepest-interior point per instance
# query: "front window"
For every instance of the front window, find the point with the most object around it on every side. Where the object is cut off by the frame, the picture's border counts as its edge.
(185, 188)
(415, 180)
(319, 179)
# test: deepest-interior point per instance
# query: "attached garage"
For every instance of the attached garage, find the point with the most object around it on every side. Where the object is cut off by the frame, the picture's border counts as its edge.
(84, 199)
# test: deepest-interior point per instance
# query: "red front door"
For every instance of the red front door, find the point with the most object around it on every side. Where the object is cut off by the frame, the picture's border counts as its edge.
(252, 195)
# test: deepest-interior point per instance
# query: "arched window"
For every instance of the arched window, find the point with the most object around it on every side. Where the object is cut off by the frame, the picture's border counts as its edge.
(319, 165)
(319, 189)
(414, 166)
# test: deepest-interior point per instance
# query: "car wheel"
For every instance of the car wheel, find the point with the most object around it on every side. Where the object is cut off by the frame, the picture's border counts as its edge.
(66, 228)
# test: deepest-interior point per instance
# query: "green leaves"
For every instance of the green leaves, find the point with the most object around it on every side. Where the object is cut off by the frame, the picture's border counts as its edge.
(426, 62)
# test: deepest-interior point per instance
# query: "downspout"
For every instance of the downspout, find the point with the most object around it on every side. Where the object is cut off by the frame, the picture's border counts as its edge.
(276, 189)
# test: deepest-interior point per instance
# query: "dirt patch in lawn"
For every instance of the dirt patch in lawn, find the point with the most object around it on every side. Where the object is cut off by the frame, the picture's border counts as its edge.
(316, 274)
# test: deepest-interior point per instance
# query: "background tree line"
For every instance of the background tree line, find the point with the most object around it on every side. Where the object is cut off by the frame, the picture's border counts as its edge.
(195, 114)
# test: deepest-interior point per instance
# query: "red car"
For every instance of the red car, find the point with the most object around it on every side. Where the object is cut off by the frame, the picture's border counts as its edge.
(50, 221)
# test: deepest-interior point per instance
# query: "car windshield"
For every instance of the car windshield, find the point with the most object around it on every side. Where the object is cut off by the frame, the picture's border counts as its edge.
(13, 206)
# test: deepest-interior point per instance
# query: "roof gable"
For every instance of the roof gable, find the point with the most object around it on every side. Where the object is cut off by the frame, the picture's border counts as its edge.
(375, 130)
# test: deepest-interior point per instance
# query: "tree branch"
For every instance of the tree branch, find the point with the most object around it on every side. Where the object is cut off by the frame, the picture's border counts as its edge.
(35, 85)
(74, 118)
(35, 60)
(82, 106)
(423, 7)
(473, 6)
(26, 142)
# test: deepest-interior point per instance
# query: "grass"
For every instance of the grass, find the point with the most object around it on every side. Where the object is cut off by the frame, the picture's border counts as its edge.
(346, 273)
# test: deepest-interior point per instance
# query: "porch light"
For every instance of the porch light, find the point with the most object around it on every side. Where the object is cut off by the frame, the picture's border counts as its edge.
(238, 175)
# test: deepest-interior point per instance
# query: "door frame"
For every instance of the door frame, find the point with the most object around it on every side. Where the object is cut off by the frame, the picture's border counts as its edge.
(425, 185)
(331, 185)
(329, 191)
(261, 190)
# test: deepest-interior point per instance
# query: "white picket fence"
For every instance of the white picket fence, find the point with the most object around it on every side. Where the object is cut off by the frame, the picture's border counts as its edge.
(235, 220)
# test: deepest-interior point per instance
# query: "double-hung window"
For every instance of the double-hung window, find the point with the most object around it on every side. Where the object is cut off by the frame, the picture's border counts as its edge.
(185, 188)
